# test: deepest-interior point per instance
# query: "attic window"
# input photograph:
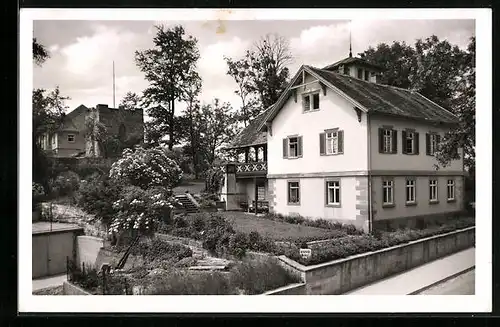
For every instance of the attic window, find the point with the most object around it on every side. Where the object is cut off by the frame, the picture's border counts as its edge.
(310, 102)
(360, 73)
(367, 75)
(71, 138)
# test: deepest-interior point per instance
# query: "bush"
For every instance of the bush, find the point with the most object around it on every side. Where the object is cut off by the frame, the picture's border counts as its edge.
(214, 180)
(96, 196)
(157, 249)
(259, 276)
(355, 244)
(65, 184)
(238, 244)
(348, 229)
(177, 282)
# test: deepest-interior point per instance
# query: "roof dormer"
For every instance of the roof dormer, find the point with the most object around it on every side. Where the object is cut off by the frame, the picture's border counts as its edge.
(357, 68)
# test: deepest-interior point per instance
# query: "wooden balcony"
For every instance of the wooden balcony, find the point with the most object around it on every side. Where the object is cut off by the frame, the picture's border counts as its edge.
(247, 169)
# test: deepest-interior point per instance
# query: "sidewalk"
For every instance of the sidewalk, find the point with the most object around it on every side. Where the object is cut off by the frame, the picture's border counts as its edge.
(420, 277)
(51, 281)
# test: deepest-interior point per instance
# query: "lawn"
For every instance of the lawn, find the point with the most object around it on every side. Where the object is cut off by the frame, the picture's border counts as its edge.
(193, 186)
(246, 223)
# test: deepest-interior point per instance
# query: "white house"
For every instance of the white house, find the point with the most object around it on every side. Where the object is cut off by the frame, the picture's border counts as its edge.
(338, 145)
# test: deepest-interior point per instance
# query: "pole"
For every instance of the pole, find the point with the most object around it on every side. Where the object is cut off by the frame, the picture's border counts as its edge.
(350, 40)
(114, 84)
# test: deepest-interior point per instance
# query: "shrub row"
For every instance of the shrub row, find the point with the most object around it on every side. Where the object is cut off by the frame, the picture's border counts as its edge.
(346, 229)
(157, 250)
(217, 235)
(357, 244)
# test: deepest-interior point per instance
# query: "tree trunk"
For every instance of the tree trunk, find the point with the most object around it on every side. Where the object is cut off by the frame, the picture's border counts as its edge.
(193, 144)
(171, 127)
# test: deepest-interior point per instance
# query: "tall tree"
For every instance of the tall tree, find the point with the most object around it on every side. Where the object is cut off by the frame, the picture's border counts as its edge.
(169, 68)
(40, 53)
(130, 101)
(399, 61)
(262, 74)
(189, 121)
(463, 104)
(216, 126)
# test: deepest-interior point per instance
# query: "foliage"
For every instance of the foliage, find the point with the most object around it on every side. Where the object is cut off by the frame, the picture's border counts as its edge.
(130, 101)
(158, 250)
(40, 53)
(66, 183)
(248, 277)
(140, 209)
(37, 190)
(259, 276)
(347, 229)
(169, 68)
(441, 72)
(346, 246)
(146, 168)
(262, 74)
(238, 244)
(96, 196)
(214, 181)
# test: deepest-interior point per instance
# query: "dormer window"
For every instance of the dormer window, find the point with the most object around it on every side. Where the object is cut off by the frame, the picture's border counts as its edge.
(310, 102)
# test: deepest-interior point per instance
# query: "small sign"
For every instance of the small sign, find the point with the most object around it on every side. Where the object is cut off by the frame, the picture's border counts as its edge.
(305, 253)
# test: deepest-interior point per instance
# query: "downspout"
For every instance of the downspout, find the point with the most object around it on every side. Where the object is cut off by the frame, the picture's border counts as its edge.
(370, 212)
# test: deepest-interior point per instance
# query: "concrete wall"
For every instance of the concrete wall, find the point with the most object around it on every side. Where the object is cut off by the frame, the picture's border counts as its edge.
(293, 289)
(50, 250)
(88, 248)
(334, 112)
(400, 161)
(424, 207)
(72, 289)
(313, 199)
(341, 276)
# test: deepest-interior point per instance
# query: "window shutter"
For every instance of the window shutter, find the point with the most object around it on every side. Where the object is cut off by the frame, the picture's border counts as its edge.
(299, 147)
(427, 144)
(403, 136)
(285, 148)
(381, 140)
(341, 141)
(322, 141)
(394, 141)
(438, 140)
(417, 143)
(326, 193)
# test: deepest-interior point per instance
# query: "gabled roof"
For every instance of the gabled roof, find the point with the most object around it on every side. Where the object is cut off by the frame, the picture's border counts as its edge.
(72, 124)
(371, 97)
(353, 60)
(251, 135)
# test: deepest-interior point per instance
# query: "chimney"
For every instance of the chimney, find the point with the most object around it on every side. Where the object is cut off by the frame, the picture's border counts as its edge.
(101, 106)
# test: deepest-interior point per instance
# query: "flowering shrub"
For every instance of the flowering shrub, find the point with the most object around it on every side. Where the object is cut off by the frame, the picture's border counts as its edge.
(141, 209)
(146, 168)
(37, 190)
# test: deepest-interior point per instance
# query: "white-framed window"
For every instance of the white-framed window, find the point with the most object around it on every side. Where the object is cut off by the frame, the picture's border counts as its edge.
(332, 142)
(387, 140)
(433, 190)
(432, 144)
(410, 191)
(450, 190)
(333, 193)
(293, 147)
(409, 142)
(293, 192)
(311, 101)
(71, 138)
(388, 192)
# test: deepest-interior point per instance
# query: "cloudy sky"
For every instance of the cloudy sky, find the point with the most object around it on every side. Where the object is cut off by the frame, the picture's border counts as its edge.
(82, 52)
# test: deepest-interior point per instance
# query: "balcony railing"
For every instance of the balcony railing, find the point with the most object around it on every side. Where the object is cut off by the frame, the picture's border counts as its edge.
(248, 168)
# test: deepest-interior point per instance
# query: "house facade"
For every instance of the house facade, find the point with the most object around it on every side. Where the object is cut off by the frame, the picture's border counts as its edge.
(340, 146)
(72, 140)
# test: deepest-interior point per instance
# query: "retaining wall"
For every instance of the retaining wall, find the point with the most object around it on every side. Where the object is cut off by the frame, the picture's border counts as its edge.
(72, 289)
(343, 275)
(87, 250)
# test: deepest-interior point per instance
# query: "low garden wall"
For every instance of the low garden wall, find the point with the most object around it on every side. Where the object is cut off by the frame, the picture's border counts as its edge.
(343, 275)
(181, 240)
(293, 289)
(72, 289)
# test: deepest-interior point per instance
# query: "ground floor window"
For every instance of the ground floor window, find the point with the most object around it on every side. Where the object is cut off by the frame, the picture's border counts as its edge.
(333, 193)
(388, 192)
(293, 193)
(433, 190)
(450, 188)
(410, 191)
